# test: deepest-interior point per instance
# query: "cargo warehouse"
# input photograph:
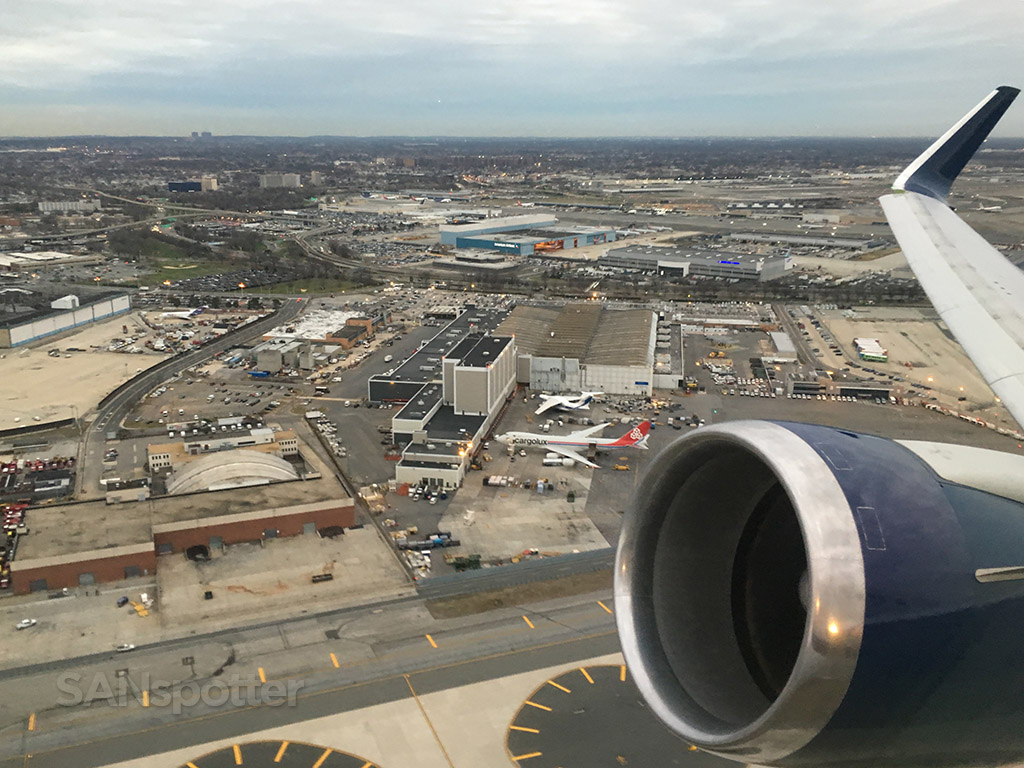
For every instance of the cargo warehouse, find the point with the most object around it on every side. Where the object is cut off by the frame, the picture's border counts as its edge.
(90, 543)
(62, 314)
(684, 262)
(584, 346)
(406, 380)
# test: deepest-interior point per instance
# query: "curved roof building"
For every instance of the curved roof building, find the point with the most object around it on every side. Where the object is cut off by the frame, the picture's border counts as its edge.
(230, 469)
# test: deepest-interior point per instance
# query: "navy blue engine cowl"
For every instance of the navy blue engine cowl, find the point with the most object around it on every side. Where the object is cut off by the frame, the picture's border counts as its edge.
(803, 596)
(939, 678)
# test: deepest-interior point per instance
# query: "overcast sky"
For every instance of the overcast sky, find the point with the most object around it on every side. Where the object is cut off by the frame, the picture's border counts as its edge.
(505, 67)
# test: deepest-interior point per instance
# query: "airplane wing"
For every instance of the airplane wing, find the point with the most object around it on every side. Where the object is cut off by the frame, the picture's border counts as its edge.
(569, 453)
(976, 291)
(590, 431)
(549, 402)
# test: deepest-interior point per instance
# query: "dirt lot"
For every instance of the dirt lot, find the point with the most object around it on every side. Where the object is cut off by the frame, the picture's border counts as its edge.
(914, 336)
(37, 385)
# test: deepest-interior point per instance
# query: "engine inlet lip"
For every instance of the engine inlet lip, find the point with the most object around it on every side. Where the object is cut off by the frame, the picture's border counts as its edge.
(832, 635)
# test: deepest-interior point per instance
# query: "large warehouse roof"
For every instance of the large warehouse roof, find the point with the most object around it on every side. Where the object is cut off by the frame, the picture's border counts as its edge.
(588, 332)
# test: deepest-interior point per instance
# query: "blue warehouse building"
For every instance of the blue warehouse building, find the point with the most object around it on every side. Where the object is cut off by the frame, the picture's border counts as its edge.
(450, 233)
(539, 242)
(534, 234)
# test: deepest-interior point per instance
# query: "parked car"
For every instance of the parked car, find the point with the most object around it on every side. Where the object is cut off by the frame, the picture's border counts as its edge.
(124, 647)
(25, 624)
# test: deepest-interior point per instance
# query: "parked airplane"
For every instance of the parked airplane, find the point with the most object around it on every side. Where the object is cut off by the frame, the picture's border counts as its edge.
(564, 445)
(566, 403)
(789, 594)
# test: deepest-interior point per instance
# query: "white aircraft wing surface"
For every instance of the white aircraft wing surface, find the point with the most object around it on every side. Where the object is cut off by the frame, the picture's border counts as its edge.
(549, 402)
(569, 453)
(976, 291)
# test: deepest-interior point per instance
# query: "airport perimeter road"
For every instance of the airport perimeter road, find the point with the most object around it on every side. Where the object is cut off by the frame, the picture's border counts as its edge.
(109, 416)
(329, 666)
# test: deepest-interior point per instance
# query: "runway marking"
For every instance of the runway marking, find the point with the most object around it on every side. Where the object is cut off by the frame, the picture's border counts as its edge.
(528, 622)
(517, 758)
(538, 706)
(334, 661)
(606, 608)
(191, 765)
(692, 748)
(430, 724)
(145, 698)
(280, 752)
(559, 687)
(323, 757)
(521, 728)
(238, 754)
(336, 689)
(32, 721)
(622, 673)
(367, 764)
(431, 641)
(262, 674)
(589, 678)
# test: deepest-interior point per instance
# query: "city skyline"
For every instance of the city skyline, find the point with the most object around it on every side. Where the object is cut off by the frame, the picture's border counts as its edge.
(528, 68)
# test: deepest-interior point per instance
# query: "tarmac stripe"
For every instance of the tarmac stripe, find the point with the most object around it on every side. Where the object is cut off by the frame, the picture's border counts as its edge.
(606, 608)
(517, 758)
(528, 622)
(586, 675)
(559, 687)
(323, 757)
(426, 717)
(431, 641)
(334, 661)
(622, 673)
(238, 754)
(280, 752)
(538, 706)
(521, 728)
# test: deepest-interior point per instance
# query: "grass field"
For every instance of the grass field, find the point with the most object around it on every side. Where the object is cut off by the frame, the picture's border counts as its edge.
(169, 262)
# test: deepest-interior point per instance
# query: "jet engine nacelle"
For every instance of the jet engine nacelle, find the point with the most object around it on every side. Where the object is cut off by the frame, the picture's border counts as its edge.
(797, 595)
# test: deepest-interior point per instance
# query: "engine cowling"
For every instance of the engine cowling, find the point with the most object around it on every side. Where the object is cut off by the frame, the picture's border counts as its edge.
(791, 594)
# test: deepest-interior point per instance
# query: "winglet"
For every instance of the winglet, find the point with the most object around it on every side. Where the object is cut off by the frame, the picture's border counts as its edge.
(933, 172)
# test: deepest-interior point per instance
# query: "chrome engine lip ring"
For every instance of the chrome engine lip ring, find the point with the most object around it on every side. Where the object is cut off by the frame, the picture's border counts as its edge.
(832, 635)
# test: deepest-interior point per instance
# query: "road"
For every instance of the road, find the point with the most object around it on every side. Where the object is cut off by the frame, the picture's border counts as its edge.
(110, 416)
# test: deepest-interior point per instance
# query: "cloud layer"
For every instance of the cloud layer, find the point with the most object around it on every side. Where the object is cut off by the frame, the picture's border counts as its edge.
(520, 67)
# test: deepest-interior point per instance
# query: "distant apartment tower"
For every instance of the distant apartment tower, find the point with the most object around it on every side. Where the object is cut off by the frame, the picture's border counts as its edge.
(279, 180)
(64, 206)
(208, 183)
(316, 179)
(206, 135)
(184, 186)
